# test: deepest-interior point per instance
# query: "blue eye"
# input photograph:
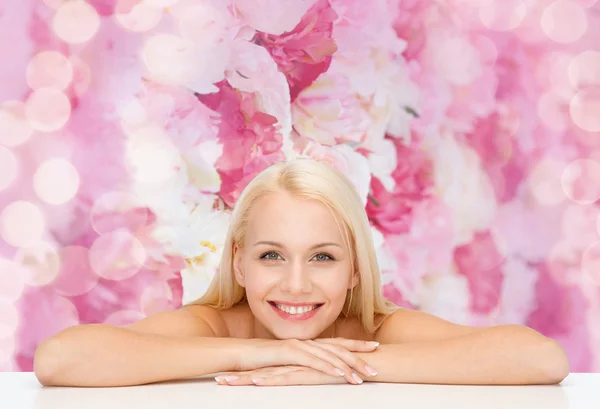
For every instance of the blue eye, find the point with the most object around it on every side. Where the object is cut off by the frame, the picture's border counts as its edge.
(267, 256)
(323, 257)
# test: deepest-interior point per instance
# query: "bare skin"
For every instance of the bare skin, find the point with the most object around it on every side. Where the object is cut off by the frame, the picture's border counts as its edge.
(257, 346)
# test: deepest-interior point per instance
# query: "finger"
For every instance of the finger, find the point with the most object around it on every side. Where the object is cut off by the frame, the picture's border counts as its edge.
(245, 377)
(340, 366)
(299, 378)
(303, 354)
(354, 345)
(351, 359)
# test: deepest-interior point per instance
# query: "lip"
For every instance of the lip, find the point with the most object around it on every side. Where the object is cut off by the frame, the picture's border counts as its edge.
(296, 317)
(295, 304)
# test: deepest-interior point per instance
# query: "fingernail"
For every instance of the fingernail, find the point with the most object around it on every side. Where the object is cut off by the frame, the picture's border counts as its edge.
(258, 381)
(372, 344)
(357, 378)
(370, 370)
(231, 378)
(219, 378)
(339, 371)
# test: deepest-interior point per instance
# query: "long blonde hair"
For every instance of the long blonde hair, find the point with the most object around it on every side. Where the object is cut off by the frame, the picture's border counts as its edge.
(310, 179)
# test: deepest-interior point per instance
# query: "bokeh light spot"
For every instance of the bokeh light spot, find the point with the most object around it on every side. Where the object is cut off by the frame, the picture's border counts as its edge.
(139, 17)
(590, 263)
(49, 69)
(41, 263)
(170, 59)
(56, 181)
(564, 21)
(54, 4)
(82, 75)
(75, 276)
(47, 109)
(157, 297)
(162, 3)
(76, 21)
(564, 263)
(8, 168)
(7, 346)
(118, 210)
(14, 128)
(584, 69)
(9, 318)
(503, 16)
(553, 111)
(202, 23)
(579, 224)
(12, 280)
(22, 223)
(545, 182)
(117, 255)
(581, 181)
(124, 317)
(585, 109)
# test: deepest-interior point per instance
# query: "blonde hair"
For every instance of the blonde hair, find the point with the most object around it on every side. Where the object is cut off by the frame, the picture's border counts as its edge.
(310, 179)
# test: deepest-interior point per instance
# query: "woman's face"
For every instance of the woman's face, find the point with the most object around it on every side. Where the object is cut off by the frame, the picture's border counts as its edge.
(295, 267)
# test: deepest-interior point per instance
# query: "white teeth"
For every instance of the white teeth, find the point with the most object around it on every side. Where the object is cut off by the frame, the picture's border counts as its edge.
(296, 310)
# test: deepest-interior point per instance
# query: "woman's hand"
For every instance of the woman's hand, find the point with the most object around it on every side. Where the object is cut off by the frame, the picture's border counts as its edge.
(330, 356)
(280, 376)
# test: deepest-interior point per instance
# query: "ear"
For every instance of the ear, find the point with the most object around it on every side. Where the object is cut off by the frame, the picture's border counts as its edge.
(353, 282)
(237, 266)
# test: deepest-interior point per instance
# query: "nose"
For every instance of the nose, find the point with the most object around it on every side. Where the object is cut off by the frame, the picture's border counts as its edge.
(296, 280)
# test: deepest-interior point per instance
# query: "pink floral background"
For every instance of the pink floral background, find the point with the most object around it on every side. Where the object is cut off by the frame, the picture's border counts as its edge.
(471, 129)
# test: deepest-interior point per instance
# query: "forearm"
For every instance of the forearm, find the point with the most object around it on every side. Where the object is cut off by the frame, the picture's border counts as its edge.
(508, 355)
(102, 355)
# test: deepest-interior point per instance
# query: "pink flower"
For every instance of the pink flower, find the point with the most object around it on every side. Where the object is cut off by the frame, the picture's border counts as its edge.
(249, 137)
(561, 314)
(305, 52)
(252, 70)
(425, 248)
(392, 211)
(410, 24)
(480, 261)
(273, 16)
(342, 157)
(186, 120)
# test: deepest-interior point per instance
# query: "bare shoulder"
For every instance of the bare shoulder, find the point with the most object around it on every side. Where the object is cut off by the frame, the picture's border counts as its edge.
(351, 328)
(188, 321)
(406, 325)
(238, 320)
(214, 317)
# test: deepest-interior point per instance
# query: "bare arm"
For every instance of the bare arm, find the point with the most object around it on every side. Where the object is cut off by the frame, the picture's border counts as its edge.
(502, 355)
(421, 348)
(169, 345)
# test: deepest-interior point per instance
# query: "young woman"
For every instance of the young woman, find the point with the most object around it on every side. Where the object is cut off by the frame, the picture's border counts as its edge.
(298, 301)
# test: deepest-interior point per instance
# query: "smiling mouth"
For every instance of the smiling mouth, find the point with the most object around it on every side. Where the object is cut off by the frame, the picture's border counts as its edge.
(295, 310)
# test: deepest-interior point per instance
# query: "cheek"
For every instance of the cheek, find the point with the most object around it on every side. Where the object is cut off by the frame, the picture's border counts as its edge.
(258, 281)
(333, 285)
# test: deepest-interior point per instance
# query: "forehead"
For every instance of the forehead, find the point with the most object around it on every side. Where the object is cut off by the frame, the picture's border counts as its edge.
(285, 218)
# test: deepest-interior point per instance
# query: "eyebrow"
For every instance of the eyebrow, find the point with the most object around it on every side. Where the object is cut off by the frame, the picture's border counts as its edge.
(275, 244)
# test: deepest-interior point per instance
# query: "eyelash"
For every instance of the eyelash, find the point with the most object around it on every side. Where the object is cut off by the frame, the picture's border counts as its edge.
(264, 256)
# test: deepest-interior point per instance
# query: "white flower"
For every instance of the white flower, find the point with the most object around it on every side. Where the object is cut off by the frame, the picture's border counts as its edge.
(383, 161)
(463, 185)
(517, 299)
(201, 242)
(446, 296)
(385, 258)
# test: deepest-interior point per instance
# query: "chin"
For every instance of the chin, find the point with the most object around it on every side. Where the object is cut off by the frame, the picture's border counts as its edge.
(295, 334)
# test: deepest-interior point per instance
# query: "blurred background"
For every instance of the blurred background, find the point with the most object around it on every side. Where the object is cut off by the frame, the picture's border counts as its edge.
(471, 129)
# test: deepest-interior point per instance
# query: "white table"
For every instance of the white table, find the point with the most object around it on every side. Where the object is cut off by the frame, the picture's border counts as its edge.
(20, 390)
